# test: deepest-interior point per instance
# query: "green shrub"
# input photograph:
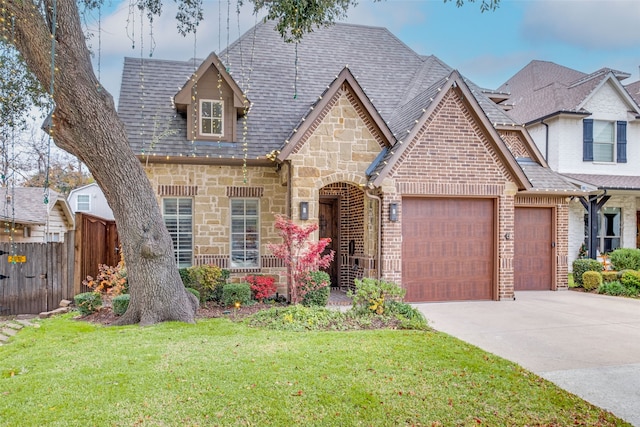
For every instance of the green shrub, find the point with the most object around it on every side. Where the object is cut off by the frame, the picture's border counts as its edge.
(120, 304)
(591, 280)
(233, 293)
(617, 289)
(409, 316)
(373, 295)
(625, 259)
(612, 288)
(318, 289)
(609, 276)
(582, 265)
(195, 292)
(186, 277)
(88, 302)
(631, 279)
(208, 280)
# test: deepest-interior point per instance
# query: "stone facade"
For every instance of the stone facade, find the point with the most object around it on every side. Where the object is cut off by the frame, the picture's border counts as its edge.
(211, 187)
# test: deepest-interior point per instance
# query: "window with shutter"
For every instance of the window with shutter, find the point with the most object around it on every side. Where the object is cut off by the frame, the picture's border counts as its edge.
(621, 142)
(587, 140)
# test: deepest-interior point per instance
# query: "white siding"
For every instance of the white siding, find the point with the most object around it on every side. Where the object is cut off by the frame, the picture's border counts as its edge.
(99, 205)
(565, 136)
(57, 225)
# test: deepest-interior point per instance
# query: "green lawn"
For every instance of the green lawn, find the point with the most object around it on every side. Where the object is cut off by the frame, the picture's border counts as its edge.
(70, 373)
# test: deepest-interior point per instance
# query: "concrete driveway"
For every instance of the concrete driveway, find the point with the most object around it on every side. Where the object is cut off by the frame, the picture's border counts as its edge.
(587, 344)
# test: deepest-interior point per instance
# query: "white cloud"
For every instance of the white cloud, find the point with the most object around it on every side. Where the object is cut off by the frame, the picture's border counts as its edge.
(592, 24)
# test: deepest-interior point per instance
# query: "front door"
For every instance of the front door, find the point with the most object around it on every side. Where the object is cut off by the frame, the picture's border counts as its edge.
(329, 227)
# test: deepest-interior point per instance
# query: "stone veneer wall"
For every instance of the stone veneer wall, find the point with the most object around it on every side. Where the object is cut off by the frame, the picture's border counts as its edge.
(210, 187)
(331, 160)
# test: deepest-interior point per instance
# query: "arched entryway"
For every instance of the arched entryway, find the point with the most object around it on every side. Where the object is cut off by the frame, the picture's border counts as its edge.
(348, 218)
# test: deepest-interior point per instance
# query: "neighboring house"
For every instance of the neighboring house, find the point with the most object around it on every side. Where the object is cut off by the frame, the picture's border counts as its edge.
(90, 199)
(27, 218)
(415, 174)
(634, 91)
(587, 126)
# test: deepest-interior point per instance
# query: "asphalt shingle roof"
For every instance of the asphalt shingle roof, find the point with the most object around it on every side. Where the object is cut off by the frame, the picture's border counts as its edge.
(634, 91)
(618, 182)
(542, 88)
(399, 83)
(26, 204)
(545, 178)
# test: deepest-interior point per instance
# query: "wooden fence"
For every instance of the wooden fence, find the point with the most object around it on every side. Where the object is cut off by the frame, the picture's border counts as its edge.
(35, 277)
(97, 242)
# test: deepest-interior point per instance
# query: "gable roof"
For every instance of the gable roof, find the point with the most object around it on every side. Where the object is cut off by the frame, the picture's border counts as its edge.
(183, 96)
(430, 99)
(25, 205)
(634, 91)
(318, 109)
(542, 89)
(288, 85)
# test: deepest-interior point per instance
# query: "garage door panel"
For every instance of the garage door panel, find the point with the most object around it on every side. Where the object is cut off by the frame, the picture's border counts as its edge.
(448, 249)
(533, 252)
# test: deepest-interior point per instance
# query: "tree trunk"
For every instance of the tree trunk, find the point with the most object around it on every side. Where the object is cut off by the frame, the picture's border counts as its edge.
(85, 123)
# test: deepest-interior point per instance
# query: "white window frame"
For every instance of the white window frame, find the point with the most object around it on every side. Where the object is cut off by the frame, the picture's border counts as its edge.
(244, 234)
(202, 118)
(597, 124)
(181, 234)
(87, 202)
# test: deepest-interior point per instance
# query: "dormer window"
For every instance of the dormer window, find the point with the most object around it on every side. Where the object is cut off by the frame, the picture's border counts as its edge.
(211, 114)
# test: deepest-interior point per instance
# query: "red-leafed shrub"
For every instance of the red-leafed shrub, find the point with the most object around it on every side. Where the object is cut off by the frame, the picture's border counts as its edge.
(261, 286)
(300, 254)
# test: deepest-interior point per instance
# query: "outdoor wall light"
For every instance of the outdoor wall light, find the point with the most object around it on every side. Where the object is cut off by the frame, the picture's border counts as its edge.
(304, 210)
(507, 236)
(393, 212)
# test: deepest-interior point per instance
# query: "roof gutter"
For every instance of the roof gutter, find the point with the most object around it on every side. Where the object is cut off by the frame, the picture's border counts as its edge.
(557, 113)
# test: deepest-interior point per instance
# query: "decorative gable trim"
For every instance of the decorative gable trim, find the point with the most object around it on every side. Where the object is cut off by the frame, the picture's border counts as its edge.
(178, 190)
(456, 83)
(344, 82)
(610, 77)
(245, 192)
(183, 97)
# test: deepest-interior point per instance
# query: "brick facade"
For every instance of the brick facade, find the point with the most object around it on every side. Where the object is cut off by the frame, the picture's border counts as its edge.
(451, 156)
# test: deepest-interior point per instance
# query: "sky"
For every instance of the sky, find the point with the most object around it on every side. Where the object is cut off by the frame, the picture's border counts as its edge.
(487, 48)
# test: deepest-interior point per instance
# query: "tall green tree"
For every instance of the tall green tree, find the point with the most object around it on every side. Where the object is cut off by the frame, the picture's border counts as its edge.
(48, 36)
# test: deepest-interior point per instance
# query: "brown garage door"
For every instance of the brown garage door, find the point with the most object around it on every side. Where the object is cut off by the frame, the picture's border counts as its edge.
(533, 252)
(448, 249)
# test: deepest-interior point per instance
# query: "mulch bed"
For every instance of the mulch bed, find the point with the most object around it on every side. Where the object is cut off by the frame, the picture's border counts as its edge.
(105, 315)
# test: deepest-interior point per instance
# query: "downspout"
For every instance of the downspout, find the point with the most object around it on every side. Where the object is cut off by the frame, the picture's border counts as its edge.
(379, 242)
(546, 141)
